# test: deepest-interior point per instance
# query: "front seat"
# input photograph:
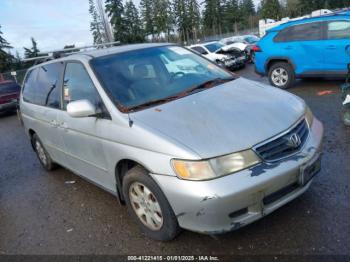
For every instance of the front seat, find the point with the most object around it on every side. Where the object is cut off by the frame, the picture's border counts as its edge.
(143, 86)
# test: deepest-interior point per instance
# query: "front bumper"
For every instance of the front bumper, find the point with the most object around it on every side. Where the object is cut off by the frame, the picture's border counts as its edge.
(235, 63)
(228, 203)
(9, 105)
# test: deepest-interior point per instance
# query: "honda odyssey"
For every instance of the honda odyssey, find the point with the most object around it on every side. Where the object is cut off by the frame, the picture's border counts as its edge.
(178, 139)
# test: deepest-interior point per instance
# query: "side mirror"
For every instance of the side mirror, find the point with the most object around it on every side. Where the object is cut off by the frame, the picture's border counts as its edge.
(81, 108)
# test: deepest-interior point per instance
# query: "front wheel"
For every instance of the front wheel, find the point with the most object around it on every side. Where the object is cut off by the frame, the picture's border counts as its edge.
(148, 205)
(281, 75)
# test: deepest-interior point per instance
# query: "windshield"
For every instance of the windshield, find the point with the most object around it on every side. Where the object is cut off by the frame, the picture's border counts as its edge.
(214, 47)
(144, 76)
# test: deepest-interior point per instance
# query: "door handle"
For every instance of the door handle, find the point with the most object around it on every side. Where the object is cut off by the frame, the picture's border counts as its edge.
(331, 47)
(288, 48)
(53, 123)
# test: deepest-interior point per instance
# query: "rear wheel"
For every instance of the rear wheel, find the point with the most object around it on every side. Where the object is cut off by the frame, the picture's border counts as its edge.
(281, 75)
(43, 155)
(148, 205)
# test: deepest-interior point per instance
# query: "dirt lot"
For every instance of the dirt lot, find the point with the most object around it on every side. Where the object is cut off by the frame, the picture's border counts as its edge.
(42, 214)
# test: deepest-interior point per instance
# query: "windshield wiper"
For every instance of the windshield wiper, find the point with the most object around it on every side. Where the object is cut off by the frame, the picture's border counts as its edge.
(198, 88)
(208, 84)
(153, 103)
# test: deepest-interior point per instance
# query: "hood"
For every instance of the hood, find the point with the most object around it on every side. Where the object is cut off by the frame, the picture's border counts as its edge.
(224, 119)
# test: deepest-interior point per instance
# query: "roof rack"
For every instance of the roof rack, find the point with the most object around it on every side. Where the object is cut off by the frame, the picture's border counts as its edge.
(55, 54)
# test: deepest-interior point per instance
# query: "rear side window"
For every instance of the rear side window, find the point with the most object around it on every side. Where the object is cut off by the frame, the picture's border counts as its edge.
(338, 30)
(304, 32)
(78, 85)
(42, 85)
(9, 87)
(29, 88)
(48, 85)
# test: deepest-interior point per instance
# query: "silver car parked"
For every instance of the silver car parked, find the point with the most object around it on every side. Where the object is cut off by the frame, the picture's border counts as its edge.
(182, 142)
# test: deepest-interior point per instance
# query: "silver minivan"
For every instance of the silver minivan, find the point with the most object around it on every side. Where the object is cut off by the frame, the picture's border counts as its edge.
(179, 140)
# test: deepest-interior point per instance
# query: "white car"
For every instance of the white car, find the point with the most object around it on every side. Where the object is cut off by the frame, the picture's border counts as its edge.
(226, 56)
(243, 43)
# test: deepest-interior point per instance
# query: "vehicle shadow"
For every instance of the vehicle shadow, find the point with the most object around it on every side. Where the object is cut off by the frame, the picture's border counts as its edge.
(7, 114)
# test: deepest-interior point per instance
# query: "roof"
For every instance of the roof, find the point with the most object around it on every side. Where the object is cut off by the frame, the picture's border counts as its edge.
(119, 49)
(333, 16)
(103, 52)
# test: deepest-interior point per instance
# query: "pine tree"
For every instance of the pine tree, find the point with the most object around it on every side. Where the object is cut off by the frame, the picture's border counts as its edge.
(5, 58)
(180, 14)
(33, 51)
(115, 12)
(307, 6)
(212, 16)
(187, 19)
(147, 16)
(193, 18)
(271, 9)
(162, 18)
(96, 26)
(17, 65)
(133, 24)
(232, 16)
(248, 7)
(293, 8)
(247, 13)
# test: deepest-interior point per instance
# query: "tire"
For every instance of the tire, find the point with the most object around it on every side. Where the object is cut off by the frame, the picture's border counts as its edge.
(43, 156)
(252, 58)
(136, 183)
(281, 75)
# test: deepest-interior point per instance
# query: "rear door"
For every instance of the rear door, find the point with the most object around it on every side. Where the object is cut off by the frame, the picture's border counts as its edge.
(42, 102)
(304, 45)
(337, 49)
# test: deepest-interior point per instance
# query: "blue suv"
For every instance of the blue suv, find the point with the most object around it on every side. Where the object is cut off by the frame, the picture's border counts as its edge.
(311, 47)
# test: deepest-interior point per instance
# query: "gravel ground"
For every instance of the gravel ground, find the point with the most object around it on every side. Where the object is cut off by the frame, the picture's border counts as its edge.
(41, 214)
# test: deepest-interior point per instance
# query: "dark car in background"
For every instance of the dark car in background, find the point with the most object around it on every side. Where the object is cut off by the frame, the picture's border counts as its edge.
(9, 95)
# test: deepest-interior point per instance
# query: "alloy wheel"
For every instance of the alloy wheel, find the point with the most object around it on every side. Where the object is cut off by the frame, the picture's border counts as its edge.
(279, 77)
(146, 206)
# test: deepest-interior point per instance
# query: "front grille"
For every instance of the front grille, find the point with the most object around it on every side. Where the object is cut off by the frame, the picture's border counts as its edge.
(283, 146)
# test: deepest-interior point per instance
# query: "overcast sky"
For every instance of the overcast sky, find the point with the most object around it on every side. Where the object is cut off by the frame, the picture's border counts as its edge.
(53, 23)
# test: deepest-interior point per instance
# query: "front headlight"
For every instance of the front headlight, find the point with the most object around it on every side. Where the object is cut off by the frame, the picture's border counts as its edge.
(215, 167)
(309, 116)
